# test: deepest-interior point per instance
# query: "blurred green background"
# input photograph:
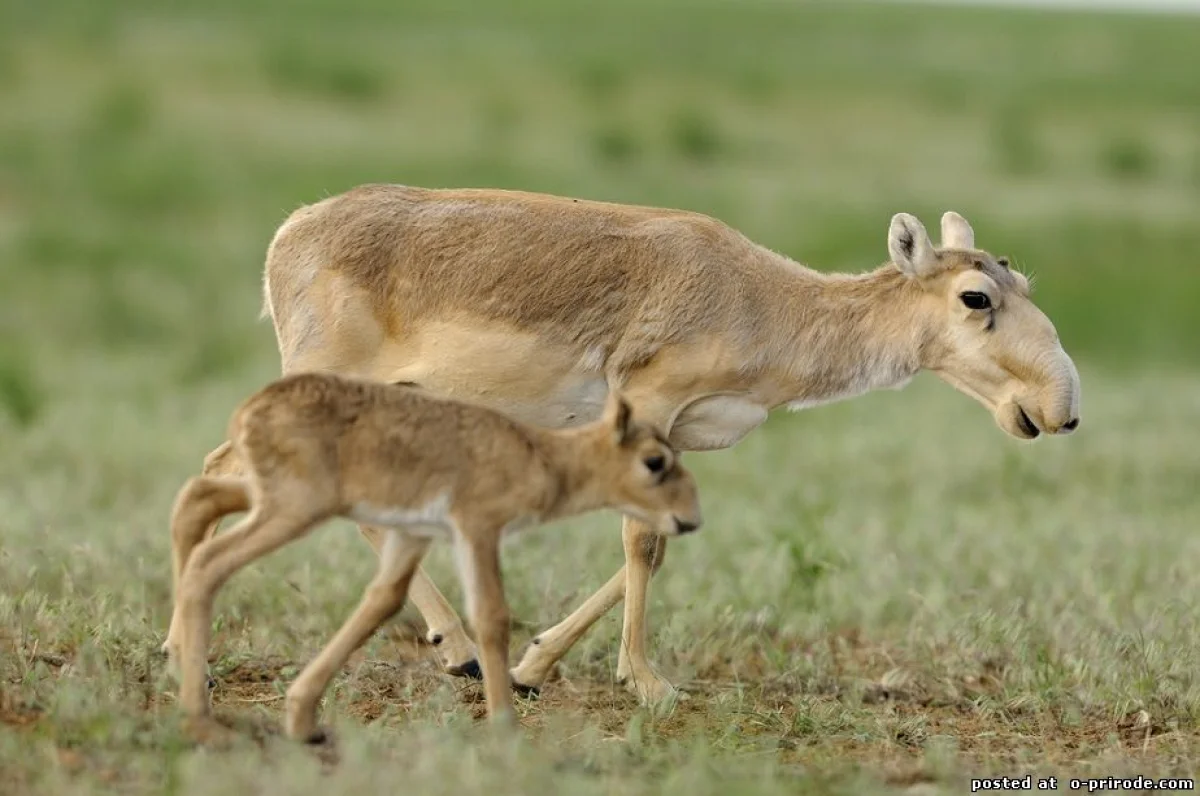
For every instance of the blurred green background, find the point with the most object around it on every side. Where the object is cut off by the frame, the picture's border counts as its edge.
(148, 150)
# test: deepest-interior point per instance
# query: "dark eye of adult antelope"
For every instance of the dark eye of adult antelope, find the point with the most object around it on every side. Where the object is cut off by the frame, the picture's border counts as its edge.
(974, 300)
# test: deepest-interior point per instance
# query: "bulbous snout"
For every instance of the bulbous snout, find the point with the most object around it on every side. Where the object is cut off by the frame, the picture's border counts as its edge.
(1061, 413)
(1053, 409)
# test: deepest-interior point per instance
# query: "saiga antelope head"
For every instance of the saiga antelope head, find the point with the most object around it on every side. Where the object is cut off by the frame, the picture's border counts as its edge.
(986, 337)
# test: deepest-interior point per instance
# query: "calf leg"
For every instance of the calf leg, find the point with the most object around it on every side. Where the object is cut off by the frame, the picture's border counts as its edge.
(400, 555)
(211, 563)
(479, 566)
(445, 629)
(199, 506)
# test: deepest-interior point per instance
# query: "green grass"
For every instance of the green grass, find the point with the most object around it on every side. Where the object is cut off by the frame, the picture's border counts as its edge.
(887, 592)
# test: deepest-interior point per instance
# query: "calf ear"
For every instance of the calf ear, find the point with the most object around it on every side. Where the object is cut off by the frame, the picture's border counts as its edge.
(619, 416)
(956, 232)
(910, 248)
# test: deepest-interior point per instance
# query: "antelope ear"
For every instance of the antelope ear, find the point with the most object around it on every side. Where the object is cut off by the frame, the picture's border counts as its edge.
(619, 416)
(956, 232)
(909, 247)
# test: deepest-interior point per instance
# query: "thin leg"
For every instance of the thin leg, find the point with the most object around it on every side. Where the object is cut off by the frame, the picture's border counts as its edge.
(445, 630)
(222, 461)
(644, 553)
(548, 647)
(479, 566)
(399, 558)
(210, 565)
(200, 504)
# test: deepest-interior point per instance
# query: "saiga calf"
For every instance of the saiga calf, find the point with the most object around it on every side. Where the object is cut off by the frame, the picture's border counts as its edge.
(317, 446)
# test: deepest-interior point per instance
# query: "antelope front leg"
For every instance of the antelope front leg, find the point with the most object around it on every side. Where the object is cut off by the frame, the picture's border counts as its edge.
(398, 561)
(548, 647)
(479, 565)
(644, 552)
(446, 631)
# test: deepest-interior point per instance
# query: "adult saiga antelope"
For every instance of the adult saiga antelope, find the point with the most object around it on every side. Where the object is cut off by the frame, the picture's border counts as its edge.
(316, 446)
(537, 305)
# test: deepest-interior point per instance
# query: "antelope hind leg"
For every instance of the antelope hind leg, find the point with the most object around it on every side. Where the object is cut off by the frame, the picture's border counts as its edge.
(209, 567)
(198, 509)
(221, 462)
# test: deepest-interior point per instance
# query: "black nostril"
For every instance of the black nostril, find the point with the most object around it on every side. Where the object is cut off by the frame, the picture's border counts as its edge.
(1071, 425)
(685, 527)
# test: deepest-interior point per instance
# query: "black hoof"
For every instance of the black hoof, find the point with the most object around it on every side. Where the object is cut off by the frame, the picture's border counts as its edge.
(526, 691)
(469, 669)
(212, 683)
(318, 737)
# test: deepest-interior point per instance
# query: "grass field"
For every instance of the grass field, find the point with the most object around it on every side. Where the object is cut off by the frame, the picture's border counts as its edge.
(889, 595)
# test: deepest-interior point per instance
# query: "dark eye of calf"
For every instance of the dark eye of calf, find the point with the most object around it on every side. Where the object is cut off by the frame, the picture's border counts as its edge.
(656, 464)
(973, 300)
